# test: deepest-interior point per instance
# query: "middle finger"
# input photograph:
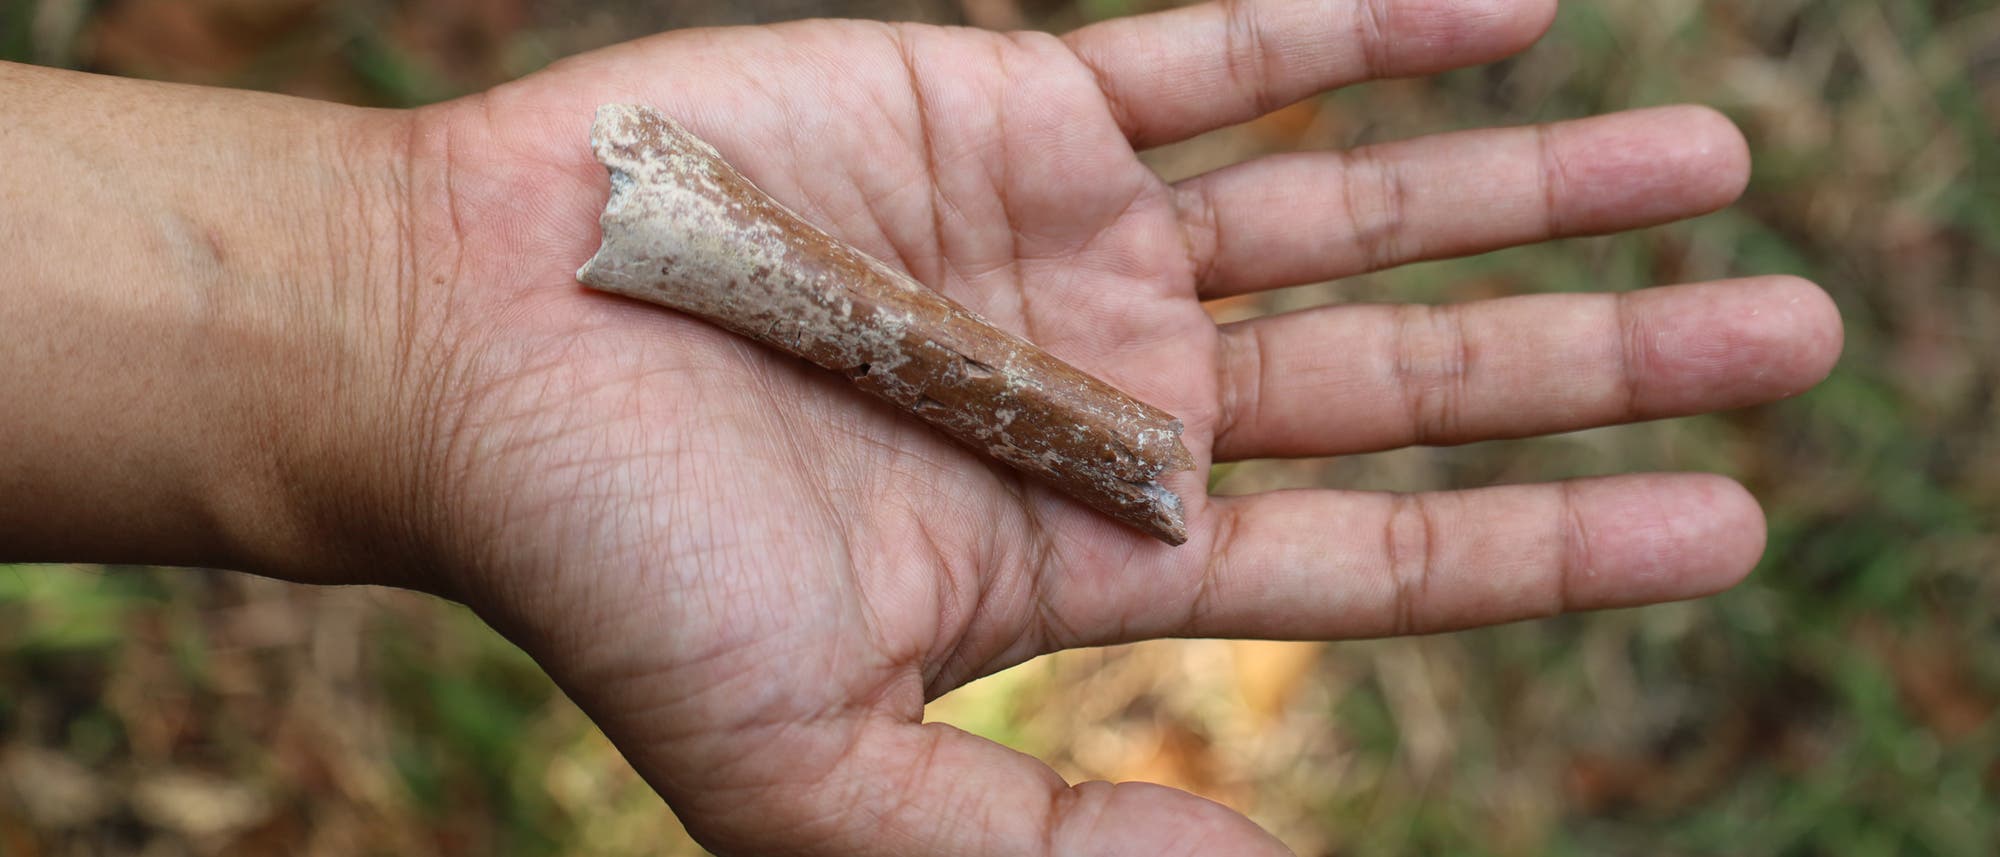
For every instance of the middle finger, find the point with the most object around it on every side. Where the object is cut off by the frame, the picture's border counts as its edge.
(1297, 218)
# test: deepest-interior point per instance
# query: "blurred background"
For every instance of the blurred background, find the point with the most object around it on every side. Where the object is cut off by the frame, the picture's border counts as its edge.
(1840, 703)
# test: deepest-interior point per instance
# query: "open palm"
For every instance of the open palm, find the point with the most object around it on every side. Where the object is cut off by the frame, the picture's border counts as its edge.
(753, 577)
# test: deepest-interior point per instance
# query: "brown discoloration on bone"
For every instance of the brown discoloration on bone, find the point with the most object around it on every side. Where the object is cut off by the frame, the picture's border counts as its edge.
(684, 229)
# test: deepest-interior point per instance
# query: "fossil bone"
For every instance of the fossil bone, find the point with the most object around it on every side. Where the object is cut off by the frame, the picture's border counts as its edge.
(686, 230)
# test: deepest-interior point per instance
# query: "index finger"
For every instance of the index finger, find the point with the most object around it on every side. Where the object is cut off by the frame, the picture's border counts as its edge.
(1171, 75)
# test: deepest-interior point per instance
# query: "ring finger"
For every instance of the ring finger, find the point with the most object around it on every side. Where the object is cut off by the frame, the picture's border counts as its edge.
(1351, 379)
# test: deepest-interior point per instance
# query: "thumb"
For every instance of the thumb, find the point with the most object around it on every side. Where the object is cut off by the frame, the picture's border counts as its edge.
(909, 790)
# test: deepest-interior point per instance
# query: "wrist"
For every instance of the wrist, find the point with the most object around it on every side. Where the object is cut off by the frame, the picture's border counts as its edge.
(202, 314)
(327, 410)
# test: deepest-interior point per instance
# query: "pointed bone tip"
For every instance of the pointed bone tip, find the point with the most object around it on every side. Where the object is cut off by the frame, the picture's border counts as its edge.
(1169, 520)
(1173, 531)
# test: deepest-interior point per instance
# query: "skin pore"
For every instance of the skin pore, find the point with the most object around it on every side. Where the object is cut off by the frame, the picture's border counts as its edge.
(337, 345)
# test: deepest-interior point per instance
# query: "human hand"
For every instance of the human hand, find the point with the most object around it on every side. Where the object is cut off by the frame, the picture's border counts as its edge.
(753, 578)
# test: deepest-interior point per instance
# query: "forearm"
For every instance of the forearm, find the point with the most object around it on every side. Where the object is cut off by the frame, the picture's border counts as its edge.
(189, 276)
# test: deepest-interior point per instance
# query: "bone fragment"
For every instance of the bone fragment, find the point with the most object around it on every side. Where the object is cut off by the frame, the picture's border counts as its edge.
(685, 230)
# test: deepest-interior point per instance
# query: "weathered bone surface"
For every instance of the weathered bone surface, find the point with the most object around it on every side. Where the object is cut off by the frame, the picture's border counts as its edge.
(685, 230)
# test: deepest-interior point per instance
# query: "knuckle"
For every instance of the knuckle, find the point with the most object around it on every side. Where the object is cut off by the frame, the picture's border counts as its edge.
(1409, 543)
(1634, 357)
(1241, 382)
(1375, 194)
(1432, 365)
(1554, 173)
(1574, 563)
(1373, 31)
(1201, 228)
(1246, 57)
